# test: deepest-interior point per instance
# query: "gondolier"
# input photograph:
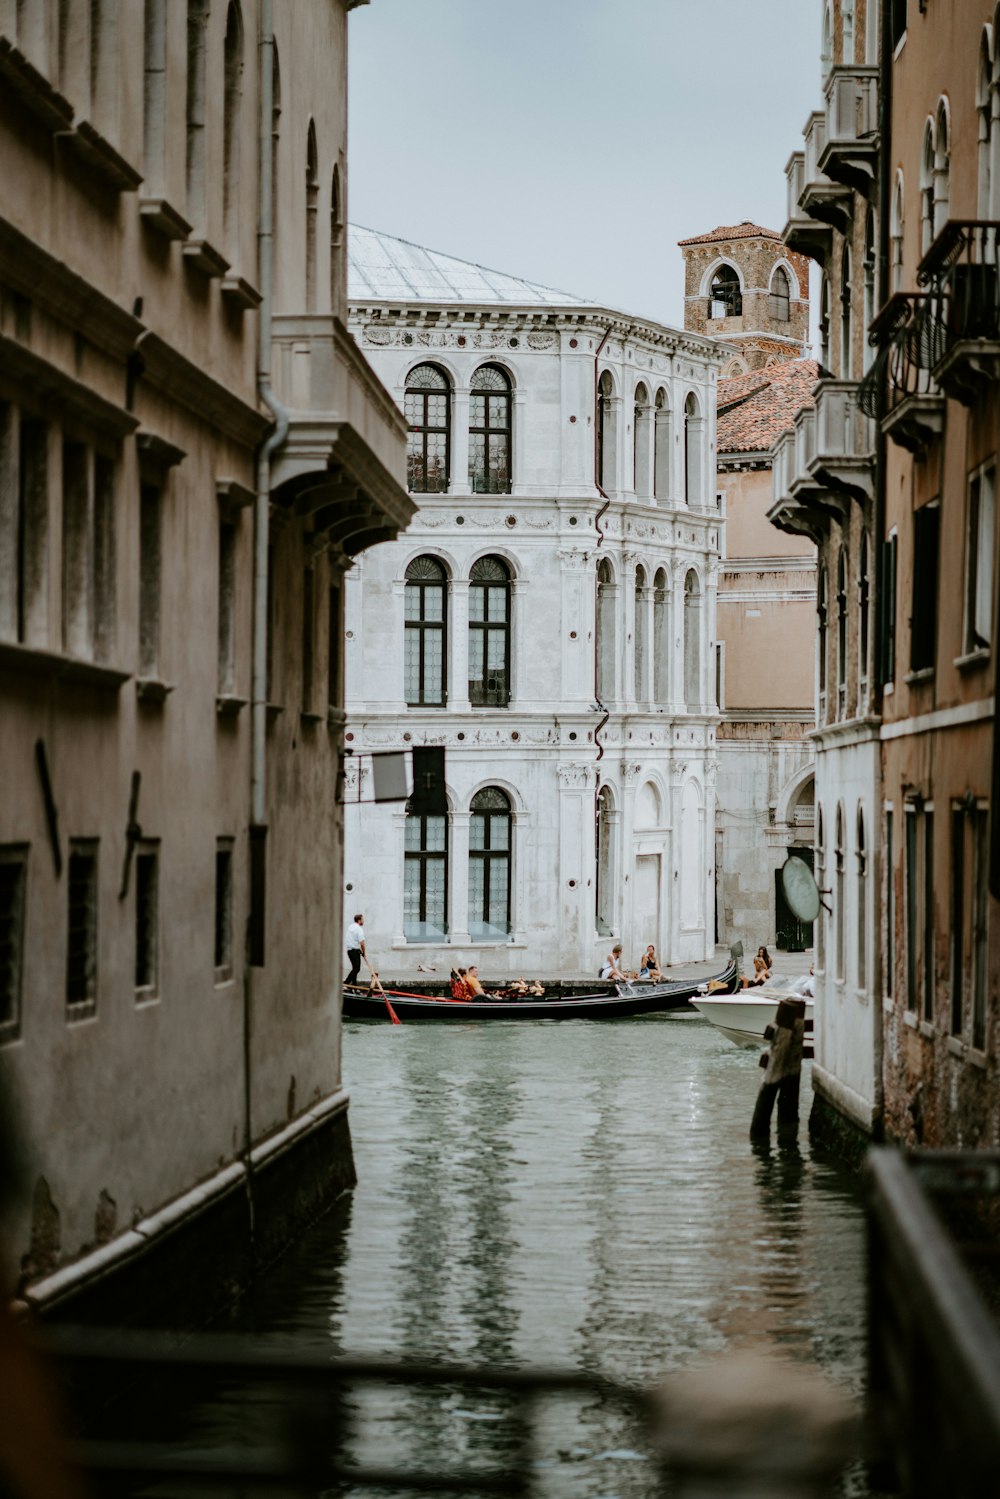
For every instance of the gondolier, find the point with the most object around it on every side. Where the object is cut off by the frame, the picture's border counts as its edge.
(356, 947)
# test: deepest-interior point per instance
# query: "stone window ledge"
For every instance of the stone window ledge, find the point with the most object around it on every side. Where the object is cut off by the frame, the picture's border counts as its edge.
(163, 218)
(33, 89)
(100, 156)
(29, 659)
(920, 677)
(205, 259)
(227, 705)
(973, 659)
(153, 689)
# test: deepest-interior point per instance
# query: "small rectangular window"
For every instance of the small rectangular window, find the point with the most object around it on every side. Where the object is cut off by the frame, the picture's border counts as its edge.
(223, 910)
(13, 895)
(81, 929)
(150, 566)
(269, 627)
(104, 557)
(24, 522)
(923, 618)
(957, 918)
(927, 917)
(890, 905)
(147, 920)
(911, 875)
(336, 633)
(78, 523)
(888, 604)
(980, 934)
(227, 609)
(979, 561)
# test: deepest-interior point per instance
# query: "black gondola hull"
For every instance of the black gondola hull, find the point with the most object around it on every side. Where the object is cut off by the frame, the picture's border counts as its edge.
(641, 999)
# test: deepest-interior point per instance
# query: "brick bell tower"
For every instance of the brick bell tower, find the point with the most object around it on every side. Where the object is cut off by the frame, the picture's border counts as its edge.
(743, 286)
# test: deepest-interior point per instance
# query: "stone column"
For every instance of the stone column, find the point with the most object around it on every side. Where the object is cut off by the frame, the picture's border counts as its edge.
(579, 594)
(458, 646)
(459, 476)
(662, 453)
(458, 880)
(576, 866)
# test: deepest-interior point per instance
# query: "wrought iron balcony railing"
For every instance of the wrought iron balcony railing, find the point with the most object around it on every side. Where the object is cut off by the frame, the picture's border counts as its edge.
(962, 273)
(900, 389)
(850, 152)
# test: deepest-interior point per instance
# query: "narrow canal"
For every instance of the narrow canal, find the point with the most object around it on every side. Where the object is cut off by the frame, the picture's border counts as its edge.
(570, 1194)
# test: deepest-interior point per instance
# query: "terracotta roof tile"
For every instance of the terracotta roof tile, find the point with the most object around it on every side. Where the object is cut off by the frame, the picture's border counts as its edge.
(754, 409)
(746, 230)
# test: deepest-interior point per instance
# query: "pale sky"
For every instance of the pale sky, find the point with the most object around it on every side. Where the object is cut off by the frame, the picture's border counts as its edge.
(573, 142)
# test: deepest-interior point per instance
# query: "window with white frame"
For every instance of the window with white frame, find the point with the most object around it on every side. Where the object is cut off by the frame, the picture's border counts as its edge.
(425, 633)
(490, 826)
(425, 878)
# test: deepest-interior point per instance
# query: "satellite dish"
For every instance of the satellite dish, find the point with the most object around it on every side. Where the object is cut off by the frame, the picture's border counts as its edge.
(801, 891)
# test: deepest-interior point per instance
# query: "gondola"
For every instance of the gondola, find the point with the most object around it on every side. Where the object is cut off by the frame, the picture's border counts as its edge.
(624, 1000)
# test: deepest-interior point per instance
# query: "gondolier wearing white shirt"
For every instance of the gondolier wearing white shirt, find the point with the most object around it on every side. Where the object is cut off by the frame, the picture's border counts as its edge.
(355, 947)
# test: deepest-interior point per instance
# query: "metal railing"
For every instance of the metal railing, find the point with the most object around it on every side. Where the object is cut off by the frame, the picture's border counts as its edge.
(907, 334)
(962, 271)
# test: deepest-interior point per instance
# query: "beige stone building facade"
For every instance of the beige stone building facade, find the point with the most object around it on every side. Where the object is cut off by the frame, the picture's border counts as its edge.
(192, 449)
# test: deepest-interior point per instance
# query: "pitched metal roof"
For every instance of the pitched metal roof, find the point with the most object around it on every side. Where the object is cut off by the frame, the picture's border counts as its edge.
(382, 268)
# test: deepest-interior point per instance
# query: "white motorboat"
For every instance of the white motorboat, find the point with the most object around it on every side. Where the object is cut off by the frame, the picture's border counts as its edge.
(743, 1016)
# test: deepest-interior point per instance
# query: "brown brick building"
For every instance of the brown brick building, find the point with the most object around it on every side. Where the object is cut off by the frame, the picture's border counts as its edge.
(743, 285)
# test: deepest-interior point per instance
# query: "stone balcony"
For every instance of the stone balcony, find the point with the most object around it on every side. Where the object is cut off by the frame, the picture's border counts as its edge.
(816, 204)
(344, 460)
(849, 155)
(823, 463)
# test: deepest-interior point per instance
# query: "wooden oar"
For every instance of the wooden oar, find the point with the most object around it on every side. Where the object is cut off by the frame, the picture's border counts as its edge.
(377, 987)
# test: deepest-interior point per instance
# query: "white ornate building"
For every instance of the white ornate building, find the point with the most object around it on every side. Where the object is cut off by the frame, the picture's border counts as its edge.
(549, 618)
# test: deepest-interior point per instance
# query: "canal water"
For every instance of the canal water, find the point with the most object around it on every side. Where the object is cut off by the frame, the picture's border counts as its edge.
(566, 1194)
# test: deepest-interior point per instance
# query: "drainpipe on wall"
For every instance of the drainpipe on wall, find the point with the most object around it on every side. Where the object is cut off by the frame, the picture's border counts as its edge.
(261, 536)
(600, 539)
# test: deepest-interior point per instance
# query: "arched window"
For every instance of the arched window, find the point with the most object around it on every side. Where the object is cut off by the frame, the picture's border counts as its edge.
(641, 415)
(942, 167)
(993, 203)
(661, 447)
(984, 112)
(231, 95)
(846, 322)
(864, 624)
(847, 27)
(606, 592)
(489, 431)
(312, 210)
(896, 223)
(489, 633)
(336, 239)
(842, 635)
(425, 878)
(839, 914)
(427, 405)
(489, 866)
(693, 425)
(692, 640)
(927, 188)
(779, 300)
(821, 641)
(867, 351)
(661, 638)
(725, 299)
(826, 55)
(197, 30)
(425, 651)
(820, 928)
(640, 635)
(607, 437)
(604, 836)
(824, 320)
(862, 898)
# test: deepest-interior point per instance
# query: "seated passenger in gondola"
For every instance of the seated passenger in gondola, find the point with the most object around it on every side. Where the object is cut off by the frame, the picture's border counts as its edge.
(458, 987)
(649, 968)
(476, 990)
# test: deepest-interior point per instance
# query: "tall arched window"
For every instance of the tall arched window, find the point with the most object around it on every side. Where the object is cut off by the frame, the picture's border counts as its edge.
(846, 321)
(197, 32)
(820, 928)
(606, 592)
(661, 637)
(826, 55)
(896, 222)
(604, 836)
(862, 901)
(425, 878)
(692, 640)
(231, 94)
(489, 866)
(867, 351)
(312, 210)
(692, 450)
(607, 436)
(942, 167)
(839, 914)
(780, 298)
(427, 405)
(864, 624)
(489, 633)
(824, 320)
(927, 188)
(489, 431)
(336, 239)
(640, 635)
(725, 299)
(661, 447)
(821, 641)
(425, 651)
(984, 112)
(842, 635)
(641, 423)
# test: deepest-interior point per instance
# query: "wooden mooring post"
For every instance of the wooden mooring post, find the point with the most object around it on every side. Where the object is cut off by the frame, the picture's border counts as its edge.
(784, 1067)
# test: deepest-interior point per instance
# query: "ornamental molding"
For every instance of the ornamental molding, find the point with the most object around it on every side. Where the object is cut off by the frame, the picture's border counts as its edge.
(630, 772)
(378, 335)
(575, 776)
(678, 768)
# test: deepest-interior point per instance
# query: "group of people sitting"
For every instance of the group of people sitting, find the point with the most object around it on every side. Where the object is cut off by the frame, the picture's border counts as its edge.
(466, 984)
(648, 970)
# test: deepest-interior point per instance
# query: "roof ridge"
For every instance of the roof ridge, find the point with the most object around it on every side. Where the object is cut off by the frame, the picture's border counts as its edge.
(437, 256)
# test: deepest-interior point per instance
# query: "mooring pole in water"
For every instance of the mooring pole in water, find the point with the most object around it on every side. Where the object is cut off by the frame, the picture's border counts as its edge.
(784, 1066)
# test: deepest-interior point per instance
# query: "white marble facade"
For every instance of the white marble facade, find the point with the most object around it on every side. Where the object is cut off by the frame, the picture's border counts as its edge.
(561, 606)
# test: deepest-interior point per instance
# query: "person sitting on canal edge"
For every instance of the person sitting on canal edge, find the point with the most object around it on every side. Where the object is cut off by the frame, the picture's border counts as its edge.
(762, 965)
(356, 947)
(649, 968)
(611, 968)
